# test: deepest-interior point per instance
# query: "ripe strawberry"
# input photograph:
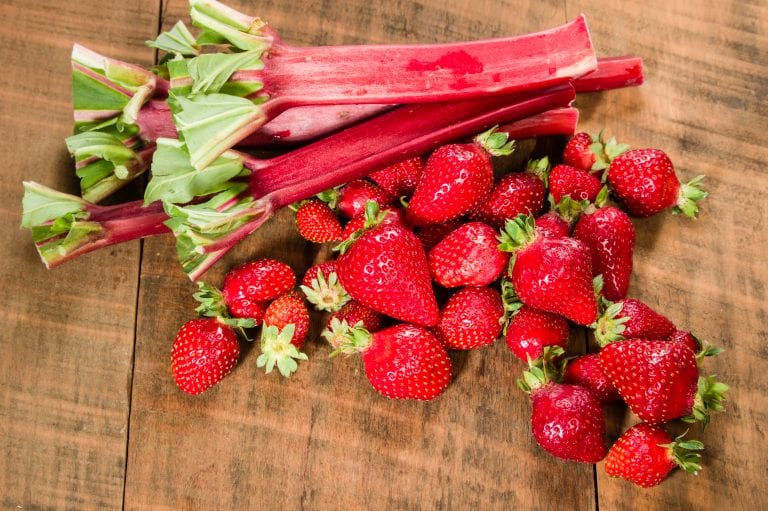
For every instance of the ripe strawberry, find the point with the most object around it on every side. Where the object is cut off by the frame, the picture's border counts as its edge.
(354, 312)
(591, 153)
(400, 179)
(550, 274)
(355, 194)
(256, 281)
(645, 454)
(530, 330)
(204, 352)
(645, 183)
(587, 372)
(456, 179)
(401, 362)
(289, 309)
(470, 319)
(212, 304)
(657, 379)
(700, 347)
(322, 289)
(387, 215)
(630, 318)
(468, 256)
(552, 225)
(610, 236)
(386, 269)
(317, 222)
(514, 194)
(431, 235)
(574, 182)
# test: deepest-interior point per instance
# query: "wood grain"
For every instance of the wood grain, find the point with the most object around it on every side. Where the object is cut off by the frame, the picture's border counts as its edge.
(67, 339)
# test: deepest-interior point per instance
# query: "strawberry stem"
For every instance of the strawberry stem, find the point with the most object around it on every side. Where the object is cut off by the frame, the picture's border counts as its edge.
(689, 196)
(277, 350)
(709, 398)
(685, 453)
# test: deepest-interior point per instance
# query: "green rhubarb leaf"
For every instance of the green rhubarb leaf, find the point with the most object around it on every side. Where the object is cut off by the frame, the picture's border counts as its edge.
(175, 180)
(221, 24)
(211, 124)
(104, 146)
(42, 205)
(212, 71)
(177, 41)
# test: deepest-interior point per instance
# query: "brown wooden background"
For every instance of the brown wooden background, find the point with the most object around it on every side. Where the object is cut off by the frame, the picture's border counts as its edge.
(90, 417)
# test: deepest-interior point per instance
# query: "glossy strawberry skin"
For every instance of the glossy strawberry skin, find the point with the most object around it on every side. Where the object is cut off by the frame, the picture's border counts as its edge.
(386, 269)
(394, 216)
(355, 194)
(468, 256)
(456, 179)
(610, 236)
(577, 152)
(555, 275)
(644, 322)
(400, 179)
(247, 287)
(577, 183)
(326, 267)
(407, 362)
(568, 422)
(353, 312)
(514, 194)
(587, 372)
(531, 330)
(470, 319)
(644, 181)
(204, 352)
(286, 309)
(317, 222)
(657, 379)
(552, 225)
(687, 339)
(639, 457)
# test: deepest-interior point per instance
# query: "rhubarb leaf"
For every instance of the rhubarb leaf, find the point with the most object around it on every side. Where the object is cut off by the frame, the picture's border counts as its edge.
(177, 41)
(211, 124)
(42, 205)
(223, 24)
(105, 146)
(175, 180)
(210, 72)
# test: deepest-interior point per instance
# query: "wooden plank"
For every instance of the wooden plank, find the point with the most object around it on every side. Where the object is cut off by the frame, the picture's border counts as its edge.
(324, 439)
(704, 103)
(67, 334)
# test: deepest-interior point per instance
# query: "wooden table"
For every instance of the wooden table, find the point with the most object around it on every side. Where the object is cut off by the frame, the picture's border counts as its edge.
(90, 417)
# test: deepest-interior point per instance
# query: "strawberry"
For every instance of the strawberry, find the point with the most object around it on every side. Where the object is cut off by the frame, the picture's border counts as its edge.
(700, 347)
(567, 421)
(587, 372)
(467, 256)
(550, 274)
(456, 179)
(388, 214)
(630, 318)
(354, 312)
(645, 454)
(400, 179)
(552, 225)
(386, 269)
(610, 236)
(401, 362)
(514, 194)
(317, 222)
(355, 194)
(212, 304)
(645, 183)
(470, 319)
(204, 351)
(573, 182)
(256, 281)
(289, 309)
(431, 235)
(590, 153)
(321, 287)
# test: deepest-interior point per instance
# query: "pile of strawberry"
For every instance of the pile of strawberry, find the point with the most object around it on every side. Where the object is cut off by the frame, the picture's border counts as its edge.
(440, 253)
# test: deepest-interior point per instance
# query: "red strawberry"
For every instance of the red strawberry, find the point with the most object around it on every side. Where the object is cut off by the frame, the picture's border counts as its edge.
(550, 274)
(289, 309)
(645, 454)
(687, 338)
(204, 352)
(468, 256)
(657, 379)
(430, 235)
(456, 179)
(514, 194)
(530, 330)
(401, 362)
(322, 289)
(386, 269)
(552, 225)
(387, 215)
(587, 372)
(253, 282)
(630, 318)
(470, 319)
(610, 235)
(354, 312)
(576, 183)
(355, 194)
(399, 179)
(317, 222)
(645, 183)
(212, 304)
(591, 154)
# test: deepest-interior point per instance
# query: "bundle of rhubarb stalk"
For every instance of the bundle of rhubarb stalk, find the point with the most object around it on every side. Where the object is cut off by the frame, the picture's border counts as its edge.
(396, 156)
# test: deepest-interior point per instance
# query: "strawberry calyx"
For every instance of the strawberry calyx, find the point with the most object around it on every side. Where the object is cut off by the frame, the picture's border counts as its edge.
(540, 168)
(373, 217)
(609, 327)
(709, 398)
(495, 143)
(685, 453)
(277, 350)
(212, 305)
(543, 370)
(517, 233)
(346, 339)
(326, 293)
(688, 197)
(569, 209)
(605, 151)
(511, 303)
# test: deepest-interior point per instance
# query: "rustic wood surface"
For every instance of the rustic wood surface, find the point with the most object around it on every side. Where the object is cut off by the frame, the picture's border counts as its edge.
(90, 417)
